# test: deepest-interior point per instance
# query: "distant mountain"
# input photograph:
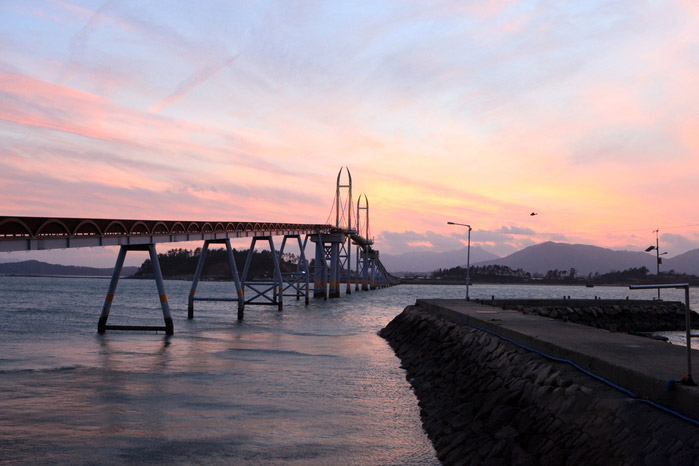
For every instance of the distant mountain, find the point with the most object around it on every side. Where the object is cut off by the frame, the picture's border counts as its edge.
(586, 259)
(684, 263)
(426, 261)
(33, 267)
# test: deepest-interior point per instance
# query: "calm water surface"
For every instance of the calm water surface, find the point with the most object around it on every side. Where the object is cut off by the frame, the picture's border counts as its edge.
(313, 384)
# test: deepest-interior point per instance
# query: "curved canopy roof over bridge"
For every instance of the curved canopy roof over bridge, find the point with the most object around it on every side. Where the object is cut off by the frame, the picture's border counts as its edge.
(30, 233)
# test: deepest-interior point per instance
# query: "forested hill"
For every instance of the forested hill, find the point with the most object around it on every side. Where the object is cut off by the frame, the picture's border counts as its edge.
(504, 274)
(34, 267)
(182, 263)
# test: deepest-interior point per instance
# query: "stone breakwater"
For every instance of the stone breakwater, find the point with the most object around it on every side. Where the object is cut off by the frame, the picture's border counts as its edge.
(484, 400)
(629, 316)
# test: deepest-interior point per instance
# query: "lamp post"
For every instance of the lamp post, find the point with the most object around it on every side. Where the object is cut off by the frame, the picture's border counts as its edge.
(468, 256)
(657, 254)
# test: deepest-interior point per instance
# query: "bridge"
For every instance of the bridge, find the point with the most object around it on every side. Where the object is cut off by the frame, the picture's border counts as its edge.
(330, 268)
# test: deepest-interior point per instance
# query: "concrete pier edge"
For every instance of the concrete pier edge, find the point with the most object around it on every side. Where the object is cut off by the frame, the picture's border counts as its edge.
(640, 365)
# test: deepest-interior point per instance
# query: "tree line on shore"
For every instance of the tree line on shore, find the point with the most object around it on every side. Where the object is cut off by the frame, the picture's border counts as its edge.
(183, 263)
(505, 274)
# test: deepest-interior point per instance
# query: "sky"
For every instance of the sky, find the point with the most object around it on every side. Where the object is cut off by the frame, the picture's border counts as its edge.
(476, 112)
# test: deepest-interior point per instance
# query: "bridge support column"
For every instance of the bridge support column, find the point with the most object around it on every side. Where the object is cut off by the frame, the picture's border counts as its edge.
(197, 275)
(263, 292)
(102, 323)
(320, 272)
(334, 270)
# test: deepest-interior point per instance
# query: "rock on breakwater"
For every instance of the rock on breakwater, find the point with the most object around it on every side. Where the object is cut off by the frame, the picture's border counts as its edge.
(484, 400)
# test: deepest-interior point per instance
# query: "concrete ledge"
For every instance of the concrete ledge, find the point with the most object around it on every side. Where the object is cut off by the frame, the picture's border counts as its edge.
(640, 365)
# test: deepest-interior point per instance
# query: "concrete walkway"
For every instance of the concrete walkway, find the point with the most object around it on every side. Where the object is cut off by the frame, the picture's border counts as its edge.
(640, 365)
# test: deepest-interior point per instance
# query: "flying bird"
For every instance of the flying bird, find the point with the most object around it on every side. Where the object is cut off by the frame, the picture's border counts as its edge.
(534, 213)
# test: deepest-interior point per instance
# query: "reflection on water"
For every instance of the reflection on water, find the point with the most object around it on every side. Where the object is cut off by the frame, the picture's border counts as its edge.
(313, 384)
(310, 385)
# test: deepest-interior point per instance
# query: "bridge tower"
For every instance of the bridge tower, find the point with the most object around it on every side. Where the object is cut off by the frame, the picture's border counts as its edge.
(344, 255)
(364, 247)
(333, 252)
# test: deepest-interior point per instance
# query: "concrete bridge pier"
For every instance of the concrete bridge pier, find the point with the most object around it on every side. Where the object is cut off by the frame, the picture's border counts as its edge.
(320, 269)
(328, 259)
(334, 270)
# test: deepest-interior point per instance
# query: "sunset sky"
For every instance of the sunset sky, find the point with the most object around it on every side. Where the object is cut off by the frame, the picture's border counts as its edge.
(475, 112)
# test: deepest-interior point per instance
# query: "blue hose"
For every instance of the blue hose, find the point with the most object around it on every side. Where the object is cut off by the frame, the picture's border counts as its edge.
(601, 379)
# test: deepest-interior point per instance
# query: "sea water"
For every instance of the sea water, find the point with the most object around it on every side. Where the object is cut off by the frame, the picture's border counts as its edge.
(310, 385)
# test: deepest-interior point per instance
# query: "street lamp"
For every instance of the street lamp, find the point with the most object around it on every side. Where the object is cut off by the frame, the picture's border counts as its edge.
(658, 254)
(468, 256)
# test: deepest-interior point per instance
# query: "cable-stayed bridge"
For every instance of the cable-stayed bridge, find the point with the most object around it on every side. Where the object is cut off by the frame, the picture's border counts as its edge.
(330, 268)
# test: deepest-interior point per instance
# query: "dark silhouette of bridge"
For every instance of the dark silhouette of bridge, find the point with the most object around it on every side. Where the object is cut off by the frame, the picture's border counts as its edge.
(330, 268)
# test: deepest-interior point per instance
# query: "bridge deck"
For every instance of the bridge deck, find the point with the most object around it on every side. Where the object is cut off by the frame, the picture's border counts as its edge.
(32, 233)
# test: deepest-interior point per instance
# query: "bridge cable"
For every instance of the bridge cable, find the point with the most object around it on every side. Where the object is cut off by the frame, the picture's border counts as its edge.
(330, 214)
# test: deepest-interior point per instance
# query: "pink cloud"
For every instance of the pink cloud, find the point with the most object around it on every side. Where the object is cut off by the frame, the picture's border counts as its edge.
(37, 103)
(133, 159)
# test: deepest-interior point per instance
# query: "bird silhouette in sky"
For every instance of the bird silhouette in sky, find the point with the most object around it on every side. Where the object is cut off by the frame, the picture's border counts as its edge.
(534, 213)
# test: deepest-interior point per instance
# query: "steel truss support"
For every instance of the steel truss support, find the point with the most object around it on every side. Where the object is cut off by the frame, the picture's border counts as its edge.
(197, 275)
(298, 281)
(102, 324)
(263, 292)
